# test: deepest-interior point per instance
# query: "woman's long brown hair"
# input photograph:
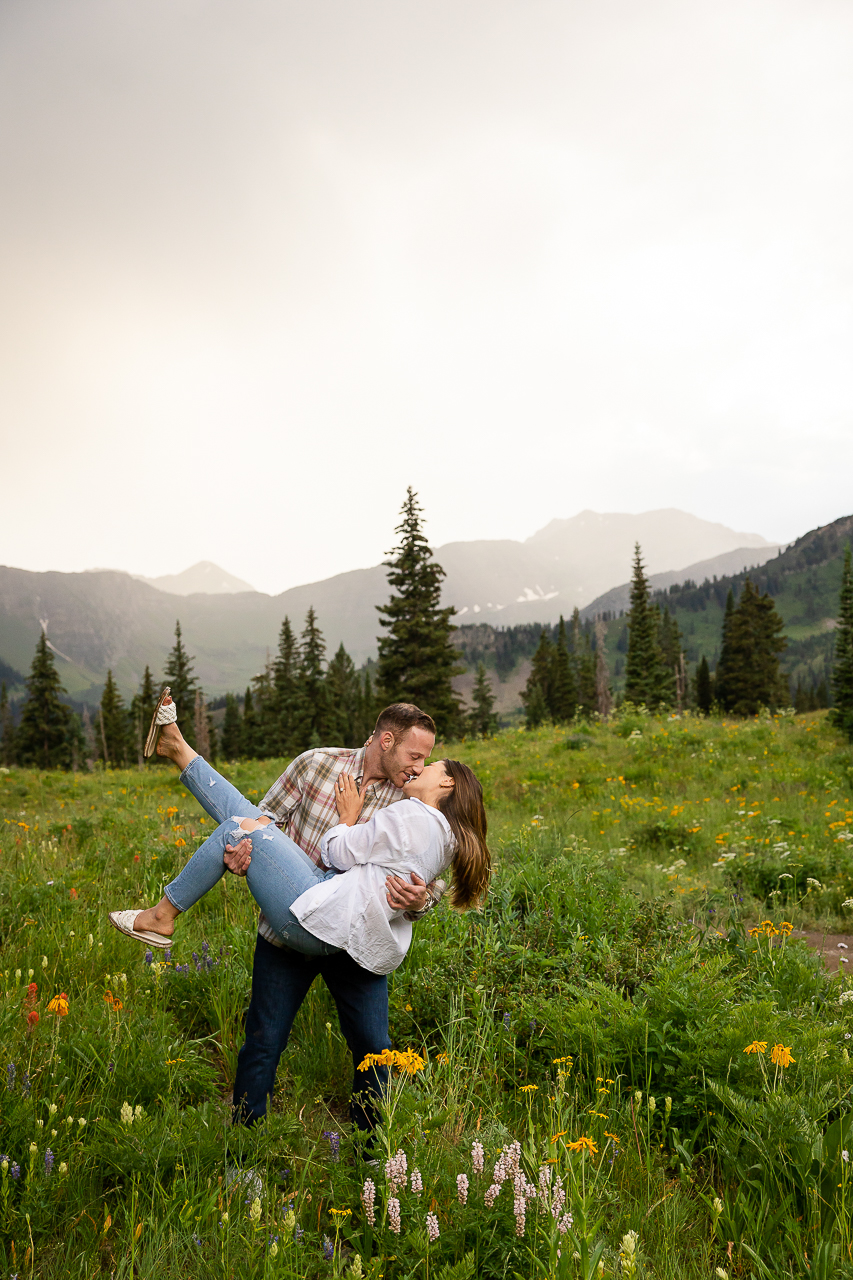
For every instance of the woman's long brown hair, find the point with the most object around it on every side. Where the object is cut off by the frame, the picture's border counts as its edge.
(472, 863)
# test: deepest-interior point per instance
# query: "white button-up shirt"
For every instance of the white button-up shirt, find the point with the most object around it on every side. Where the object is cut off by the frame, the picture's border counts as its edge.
(351, 911)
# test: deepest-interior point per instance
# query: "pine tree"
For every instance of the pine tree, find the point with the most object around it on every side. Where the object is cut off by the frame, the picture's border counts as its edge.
(754, 642)
(180, 679)
(286, 689)
(603, 695)
(115, 726)
(644, 673)
(47, 733)
(141, 710)
(671, 645)
(704, 687)
(482, 719)
(343, 701)
(563, 684)
(369, 709)
(537, 693)
(722, 674)
(249, 736)
(583, 660)
(265, 710)
(7, 729)
(200, 725)
(311, 705)
(232, 729)
(417, 659)
(842, 675)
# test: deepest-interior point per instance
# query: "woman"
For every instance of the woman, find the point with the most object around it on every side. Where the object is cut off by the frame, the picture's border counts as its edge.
(441, 823)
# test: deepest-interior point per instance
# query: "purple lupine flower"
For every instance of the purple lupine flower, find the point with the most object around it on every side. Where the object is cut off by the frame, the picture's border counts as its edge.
(10, 1076)
(328, 1249)
(111, 1066)
(432, 1227)
(196, 962)
(15, 1171)
(205, 947)
(49, 1158)
(334, 1143)
(149, 957)
(167, 954)
(25, 1084)
(197, 1241)
(506, 1021)
(532, 1025)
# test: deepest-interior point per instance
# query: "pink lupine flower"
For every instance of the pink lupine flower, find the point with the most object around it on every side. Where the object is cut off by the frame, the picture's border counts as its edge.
(492, 1195)
(394, 1214)
(564, 1223)
(432, 1227)
(396, 1171)
(417, 1182)
(478, 1157)
(462, 1188)
(519, 1208)
(368, 1198)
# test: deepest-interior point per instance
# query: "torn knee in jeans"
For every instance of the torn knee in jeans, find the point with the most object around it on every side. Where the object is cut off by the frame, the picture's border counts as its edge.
(252, 824)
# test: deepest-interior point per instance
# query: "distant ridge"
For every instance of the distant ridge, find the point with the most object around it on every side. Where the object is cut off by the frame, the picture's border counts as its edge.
(204, 578)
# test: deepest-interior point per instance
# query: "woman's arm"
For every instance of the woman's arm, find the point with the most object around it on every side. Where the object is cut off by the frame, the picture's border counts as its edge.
(385, 839)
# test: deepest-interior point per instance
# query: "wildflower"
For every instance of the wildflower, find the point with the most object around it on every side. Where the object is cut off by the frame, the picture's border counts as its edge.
(652, 1105)
(49, 1158)
(10, 1073)
(529, 1088)
(628, 1253)
(149, 957)
(757, 1046)
(478, 1157)
(848, 902)
(491, 1195)
(368, 1199)
(717, 1205)
(126, 1113)
(63, 1169)
(255, 1210)
(583, 1144)
(846, 996)
(81, 1123)
(340, 1213)
(781, 1056)
(32, 1019)
(564, 1223)
(812, 883)
(334, 1143)
(667, 1102)
(33, 1149)
(432, 1227)
(461, 1188)
(417, 1182)
(396, 1171)
(274, 1249)
(562, 1062)
(638, 1097)
(394, 1214)
(845, 1156)
(59, 1005)
(721, 1274)
(328, 1249)
(15, 1171)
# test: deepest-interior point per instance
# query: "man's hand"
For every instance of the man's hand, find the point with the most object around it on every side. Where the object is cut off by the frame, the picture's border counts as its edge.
(403, 896)
(237, 857)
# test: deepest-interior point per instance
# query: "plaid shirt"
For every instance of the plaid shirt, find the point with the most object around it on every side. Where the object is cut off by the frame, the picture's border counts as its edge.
(302, 802)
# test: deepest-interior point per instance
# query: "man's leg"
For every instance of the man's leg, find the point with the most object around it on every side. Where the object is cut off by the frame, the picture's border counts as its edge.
(280, 982)
(361, 998)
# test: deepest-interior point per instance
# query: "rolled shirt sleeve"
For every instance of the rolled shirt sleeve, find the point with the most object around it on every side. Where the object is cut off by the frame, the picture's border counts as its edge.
(383, 839)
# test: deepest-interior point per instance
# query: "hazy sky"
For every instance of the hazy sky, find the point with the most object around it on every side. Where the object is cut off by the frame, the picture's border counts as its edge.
(263, 264)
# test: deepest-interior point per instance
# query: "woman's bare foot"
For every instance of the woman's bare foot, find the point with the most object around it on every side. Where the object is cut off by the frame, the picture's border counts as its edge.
(159, 919)
(172, 744)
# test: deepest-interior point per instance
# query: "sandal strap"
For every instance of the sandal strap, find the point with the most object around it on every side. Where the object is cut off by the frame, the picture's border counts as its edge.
(166, 714)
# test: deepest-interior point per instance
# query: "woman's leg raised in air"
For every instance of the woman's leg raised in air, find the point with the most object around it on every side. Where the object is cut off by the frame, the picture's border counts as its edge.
(278, 873)
(216, 795)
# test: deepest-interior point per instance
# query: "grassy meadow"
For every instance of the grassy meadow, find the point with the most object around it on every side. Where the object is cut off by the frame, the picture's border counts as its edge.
(626, 1065)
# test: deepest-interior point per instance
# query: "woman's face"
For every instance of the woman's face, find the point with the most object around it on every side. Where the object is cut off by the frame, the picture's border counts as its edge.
(430, 785)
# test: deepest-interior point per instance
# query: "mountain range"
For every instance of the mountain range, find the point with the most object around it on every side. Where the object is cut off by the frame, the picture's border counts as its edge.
(108, 619)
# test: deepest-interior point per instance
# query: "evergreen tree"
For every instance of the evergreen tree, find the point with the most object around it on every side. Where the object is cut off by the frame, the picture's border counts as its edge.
(369, 709)
(583, 660)
(671, 646)
(286, 689)
(180, 679)
(754, 642)
(704, 687)
(644, 672)
(141, 710)
(603, 694)
(232, 729)
(842, 675)
(417, 659)
(482, 719)
(48, 732)
(249, 735)
(563, 684)
(7, 729)
(537, 693)
(344, 699)
(265, 711)
(115, 724)
(311, 704)
(201, 728)
(722, 675)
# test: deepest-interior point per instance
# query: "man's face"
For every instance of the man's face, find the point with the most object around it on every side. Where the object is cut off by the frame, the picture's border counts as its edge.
(406, 758)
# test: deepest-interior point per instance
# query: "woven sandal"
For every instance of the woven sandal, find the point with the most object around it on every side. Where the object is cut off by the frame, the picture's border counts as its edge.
(123, 921)
(162, 715)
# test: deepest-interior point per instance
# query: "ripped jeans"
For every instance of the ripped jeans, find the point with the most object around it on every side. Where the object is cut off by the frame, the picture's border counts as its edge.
(279, 871)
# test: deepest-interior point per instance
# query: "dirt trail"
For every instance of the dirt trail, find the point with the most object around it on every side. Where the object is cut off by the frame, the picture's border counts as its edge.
(836, 948)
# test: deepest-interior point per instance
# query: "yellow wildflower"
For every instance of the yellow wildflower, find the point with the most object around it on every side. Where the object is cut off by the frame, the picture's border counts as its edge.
(583, 1144)
(781, 1056)
(529, 1088)
(757, 1046)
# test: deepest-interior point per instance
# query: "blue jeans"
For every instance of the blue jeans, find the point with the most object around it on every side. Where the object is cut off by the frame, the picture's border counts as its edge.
(281, 978)
(279, 871)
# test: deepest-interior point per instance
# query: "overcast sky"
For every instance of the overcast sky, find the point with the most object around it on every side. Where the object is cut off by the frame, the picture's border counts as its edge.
(263, 264)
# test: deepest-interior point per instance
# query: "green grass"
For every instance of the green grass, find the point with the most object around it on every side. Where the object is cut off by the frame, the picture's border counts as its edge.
(613, 965)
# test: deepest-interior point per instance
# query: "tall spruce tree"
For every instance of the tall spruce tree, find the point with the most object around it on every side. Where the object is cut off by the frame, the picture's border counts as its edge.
(115, 723)
(141, 710)
(722, 674)
(232, 729)
(563, 682)
(482, 719)
(311, 707)
(7, 729)
(644, 672)
(343, 701)
(250, 738)
(583, 660)
(266, 712)
(179, 676)
(417, 659)
(286, 688)
(754, 642)
(671, 646)
(842, 674)
(537, 693)
(370, 708)
(704, 688)
(48, 732)
(603, 694)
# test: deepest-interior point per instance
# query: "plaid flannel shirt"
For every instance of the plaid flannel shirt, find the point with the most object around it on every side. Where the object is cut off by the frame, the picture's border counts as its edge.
(302, 802)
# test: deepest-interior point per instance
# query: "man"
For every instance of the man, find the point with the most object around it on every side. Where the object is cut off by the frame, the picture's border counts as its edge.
(302, 802)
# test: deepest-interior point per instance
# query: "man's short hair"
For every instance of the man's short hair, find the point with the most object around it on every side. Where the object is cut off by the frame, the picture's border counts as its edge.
(400, 717)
